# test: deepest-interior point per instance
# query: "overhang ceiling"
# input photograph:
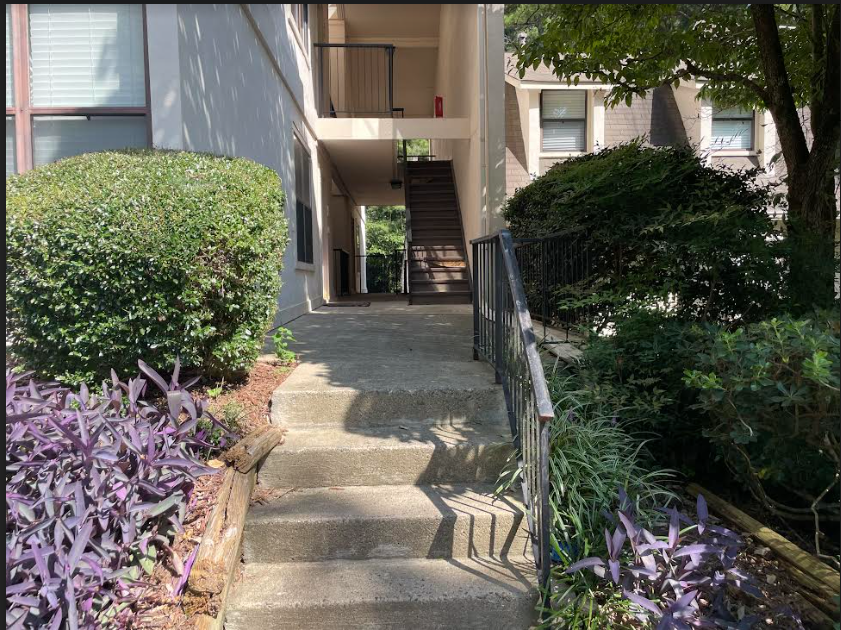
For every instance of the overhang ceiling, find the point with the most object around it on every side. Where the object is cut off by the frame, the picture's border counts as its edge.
(387, 22)
(366, 168)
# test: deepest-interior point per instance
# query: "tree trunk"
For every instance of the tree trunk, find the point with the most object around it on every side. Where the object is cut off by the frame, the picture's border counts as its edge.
(811, 188)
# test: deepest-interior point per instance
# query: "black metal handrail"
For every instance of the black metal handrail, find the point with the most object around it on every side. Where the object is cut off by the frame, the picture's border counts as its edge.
(556, 269)
(355, 80)
(503, 336)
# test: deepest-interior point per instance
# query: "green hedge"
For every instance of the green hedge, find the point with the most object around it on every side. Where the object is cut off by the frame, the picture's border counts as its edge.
(116, 256)
(661, 226)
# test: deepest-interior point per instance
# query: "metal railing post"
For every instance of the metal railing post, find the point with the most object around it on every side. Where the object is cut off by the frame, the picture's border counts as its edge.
(476, 298)
(497, 316)
(391, 80)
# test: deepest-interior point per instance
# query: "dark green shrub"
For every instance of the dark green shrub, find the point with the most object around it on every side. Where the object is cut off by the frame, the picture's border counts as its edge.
(772, 393)
(120, 255)
(661, 227)
(638, 372)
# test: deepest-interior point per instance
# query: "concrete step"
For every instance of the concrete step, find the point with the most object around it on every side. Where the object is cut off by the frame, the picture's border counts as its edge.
(406, 454)
(467, 594)
(387, 394)
(458, 285)
(435, 298)
(365, 522)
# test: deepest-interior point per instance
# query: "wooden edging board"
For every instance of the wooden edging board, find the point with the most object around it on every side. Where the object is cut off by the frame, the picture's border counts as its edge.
(811, 573)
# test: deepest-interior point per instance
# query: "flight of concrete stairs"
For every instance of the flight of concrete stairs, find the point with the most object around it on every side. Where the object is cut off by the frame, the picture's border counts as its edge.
(385, 515)
(437, 262)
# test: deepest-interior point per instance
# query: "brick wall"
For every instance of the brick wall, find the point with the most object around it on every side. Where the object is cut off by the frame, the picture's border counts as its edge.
(516, 170)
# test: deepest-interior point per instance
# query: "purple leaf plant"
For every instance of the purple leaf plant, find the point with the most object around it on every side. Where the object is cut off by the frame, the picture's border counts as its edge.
(667, 577)
(96, 484)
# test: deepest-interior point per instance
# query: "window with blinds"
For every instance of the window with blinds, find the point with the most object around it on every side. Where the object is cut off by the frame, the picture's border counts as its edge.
(10, 86)
(87, 55)
(10, 146)
(732, 128)
(563, 120)
(85, 67)
(303, 203)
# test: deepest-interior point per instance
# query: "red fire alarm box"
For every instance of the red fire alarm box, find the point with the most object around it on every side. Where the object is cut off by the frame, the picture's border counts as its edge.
(439, 107)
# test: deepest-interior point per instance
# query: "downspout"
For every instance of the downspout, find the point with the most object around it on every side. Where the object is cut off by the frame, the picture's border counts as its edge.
(483, 128)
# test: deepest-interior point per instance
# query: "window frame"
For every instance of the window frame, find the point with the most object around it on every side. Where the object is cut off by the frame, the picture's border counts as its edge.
(584, 120)
(22, 111)
(300, 15)
(304, 238)
(750, 117)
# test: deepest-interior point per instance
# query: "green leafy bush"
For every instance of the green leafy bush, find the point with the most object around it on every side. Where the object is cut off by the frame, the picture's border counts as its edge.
(661, 228)
(117, 255)
(772, 392)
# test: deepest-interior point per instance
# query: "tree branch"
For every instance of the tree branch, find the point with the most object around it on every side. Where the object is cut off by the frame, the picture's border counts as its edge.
(780, 100)
(727, 76)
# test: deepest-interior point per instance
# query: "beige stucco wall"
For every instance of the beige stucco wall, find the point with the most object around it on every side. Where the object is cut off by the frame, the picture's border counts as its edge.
(479, 161)
(414, 80)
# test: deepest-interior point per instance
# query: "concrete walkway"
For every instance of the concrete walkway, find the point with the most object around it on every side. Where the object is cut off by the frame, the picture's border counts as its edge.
(396, 437)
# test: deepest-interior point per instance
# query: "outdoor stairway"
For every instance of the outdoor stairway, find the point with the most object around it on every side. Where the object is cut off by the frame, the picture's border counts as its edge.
(437, 264)
(384, 515)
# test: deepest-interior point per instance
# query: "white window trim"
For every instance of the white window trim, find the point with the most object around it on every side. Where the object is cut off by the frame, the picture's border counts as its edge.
(300, 265)
(588, 123)
(757, 130)
(296, 33)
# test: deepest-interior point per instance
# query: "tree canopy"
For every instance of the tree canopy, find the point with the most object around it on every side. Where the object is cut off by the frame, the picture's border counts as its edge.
(385, 229)
(783, 58)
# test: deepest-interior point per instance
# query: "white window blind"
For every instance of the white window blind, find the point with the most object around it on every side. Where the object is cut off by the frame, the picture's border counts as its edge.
(86, 55)
(10, 145)
(732, 128)
(57, 137)
(564, 120)
(10, 86)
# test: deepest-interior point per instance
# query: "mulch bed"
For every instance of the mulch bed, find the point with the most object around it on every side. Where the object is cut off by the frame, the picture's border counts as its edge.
(158, 607)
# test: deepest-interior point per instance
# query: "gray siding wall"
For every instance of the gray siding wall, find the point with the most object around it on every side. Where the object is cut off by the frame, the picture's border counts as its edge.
(657, 117)
(516, 170)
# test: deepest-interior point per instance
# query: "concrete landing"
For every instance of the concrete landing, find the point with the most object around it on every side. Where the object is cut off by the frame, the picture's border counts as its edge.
(395, 440)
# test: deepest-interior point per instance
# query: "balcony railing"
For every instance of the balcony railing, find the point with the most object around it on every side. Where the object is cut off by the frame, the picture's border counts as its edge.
(355, 80)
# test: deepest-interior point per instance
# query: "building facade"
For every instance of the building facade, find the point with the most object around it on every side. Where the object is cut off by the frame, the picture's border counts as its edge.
(548, 121)
(321, 93)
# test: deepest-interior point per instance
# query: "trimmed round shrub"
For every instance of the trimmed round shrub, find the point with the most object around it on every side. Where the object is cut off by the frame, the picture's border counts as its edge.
(116, 256)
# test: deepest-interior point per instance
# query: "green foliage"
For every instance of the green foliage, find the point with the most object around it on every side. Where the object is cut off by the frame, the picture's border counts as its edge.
(385, 229)
(638, 371)
(281, 338)
(156, 254)
(636, 48)
(591, 457)
(772, 392)
(661, 228)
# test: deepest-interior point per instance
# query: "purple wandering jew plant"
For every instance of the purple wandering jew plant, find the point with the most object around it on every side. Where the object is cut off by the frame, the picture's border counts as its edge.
(668, 577)
(96, 484)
